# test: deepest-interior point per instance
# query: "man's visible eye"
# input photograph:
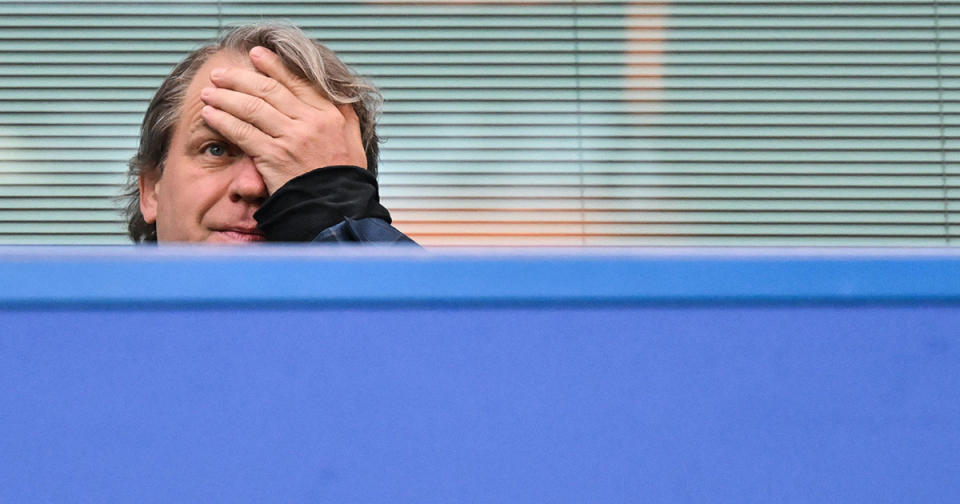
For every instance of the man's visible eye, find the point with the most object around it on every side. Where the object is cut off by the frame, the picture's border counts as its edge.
(215, 150)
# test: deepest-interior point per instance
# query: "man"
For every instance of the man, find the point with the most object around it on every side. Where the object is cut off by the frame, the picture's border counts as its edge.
(262, 135)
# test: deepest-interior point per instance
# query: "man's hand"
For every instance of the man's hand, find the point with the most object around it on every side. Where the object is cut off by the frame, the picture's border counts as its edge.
(282, 122)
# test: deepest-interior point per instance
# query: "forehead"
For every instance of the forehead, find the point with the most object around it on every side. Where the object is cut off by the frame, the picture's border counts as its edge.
(222, 59)
(189, 118)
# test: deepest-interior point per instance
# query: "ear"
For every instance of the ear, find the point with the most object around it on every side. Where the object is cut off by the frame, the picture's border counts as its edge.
(149, 186)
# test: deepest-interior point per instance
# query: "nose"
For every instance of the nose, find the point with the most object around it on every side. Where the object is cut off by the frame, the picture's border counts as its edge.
(247, 185)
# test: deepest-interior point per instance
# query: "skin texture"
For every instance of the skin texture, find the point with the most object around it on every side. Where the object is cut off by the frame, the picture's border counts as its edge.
(247, 126)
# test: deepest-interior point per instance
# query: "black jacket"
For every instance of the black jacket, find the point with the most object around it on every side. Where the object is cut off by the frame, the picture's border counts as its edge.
(332, 204)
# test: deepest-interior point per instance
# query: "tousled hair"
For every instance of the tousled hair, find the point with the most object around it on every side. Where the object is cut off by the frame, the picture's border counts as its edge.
(301, 55)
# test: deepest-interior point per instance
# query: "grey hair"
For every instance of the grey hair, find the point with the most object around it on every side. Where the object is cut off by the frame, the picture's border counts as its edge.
(301, 55)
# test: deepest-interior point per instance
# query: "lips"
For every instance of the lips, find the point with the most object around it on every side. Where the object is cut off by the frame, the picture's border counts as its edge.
(241, 235)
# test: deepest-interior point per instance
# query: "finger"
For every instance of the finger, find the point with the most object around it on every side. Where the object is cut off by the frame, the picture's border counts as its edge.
(241, 133)
(271, 65)
(247, 108)
(256, 84)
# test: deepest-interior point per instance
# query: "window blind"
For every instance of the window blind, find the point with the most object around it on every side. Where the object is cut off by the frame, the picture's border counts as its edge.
(540, 122)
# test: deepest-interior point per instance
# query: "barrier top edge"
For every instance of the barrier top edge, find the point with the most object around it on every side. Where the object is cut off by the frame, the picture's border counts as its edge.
(265, 276)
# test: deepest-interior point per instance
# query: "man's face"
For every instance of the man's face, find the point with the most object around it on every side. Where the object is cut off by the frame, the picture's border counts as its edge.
(209, 188)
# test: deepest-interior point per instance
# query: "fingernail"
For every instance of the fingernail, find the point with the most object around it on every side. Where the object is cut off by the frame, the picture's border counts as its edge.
(257, 52)
(206, 92)
(217, 72)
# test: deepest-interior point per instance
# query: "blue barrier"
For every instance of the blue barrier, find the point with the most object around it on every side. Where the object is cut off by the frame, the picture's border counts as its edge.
(290, 374)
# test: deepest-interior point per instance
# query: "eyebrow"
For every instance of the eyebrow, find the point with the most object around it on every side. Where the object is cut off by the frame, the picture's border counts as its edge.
(200, 124)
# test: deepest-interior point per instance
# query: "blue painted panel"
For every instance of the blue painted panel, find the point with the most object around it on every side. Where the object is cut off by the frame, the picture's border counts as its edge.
(741, 401)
